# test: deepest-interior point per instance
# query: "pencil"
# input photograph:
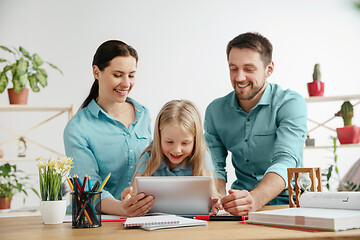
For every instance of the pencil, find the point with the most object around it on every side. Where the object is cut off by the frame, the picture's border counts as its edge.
(89, 184)
(84, 183)
(102, 186)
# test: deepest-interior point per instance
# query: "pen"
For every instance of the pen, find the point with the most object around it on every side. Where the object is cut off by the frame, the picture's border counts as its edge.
(222, 218)
(114, 220)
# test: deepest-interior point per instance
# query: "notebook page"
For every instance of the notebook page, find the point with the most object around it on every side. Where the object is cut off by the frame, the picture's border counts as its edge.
(151, 220)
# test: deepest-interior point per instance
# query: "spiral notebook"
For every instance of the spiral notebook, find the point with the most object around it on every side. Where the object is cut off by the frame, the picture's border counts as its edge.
(162, 222)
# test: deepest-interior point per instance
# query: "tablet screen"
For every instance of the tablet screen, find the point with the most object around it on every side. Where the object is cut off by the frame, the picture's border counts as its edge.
(188, 195)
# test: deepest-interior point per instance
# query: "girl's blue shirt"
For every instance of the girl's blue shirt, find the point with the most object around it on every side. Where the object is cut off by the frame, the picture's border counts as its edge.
(183, 169)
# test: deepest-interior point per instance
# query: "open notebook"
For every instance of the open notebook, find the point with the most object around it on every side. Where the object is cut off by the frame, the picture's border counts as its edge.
(332, 211)
(162, 222)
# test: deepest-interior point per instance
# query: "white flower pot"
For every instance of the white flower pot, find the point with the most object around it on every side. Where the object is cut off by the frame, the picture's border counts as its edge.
(53, 212)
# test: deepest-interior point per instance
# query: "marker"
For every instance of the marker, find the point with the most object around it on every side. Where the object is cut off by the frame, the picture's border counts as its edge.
(114, 220)
(222, 218)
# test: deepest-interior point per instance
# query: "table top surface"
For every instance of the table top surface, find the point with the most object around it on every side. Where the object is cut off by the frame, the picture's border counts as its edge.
(32, 227)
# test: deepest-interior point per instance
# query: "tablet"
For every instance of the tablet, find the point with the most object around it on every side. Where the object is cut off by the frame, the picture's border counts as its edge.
(189, 195)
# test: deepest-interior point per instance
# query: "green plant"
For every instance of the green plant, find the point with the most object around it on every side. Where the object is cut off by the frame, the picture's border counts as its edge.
(317, 73)
(347, 186)
(24, 68)
(51, 173)
(346, 112)
(12, 181)
(332, 167)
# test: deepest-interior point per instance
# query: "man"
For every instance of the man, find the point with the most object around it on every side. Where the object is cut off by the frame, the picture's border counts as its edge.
(262, 125)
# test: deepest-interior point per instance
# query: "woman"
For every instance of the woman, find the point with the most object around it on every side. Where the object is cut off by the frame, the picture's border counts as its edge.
(111, 130)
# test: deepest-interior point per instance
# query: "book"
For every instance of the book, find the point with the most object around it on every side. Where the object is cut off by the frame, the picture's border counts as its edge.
(331, 211)
(164, 221)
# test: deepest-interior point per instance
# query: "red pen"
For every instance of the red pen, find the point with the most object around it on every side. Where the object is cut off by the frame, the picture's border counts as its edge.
(114, 220)
(222, 218)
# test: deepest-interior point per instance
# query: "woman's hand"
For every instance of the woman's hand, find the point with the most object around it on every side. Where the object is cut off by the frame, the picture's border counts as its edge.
(215, 206)
(137, 205)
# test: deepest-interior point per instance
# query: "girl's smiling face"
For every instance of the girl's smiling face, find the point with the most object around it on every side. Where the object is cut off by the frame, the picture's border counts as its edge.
(176, 144)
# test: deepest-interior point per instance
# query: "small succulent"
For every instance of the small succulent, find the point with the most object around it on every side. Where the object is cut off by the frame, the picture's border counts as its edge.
(346, 113)
(317, 73)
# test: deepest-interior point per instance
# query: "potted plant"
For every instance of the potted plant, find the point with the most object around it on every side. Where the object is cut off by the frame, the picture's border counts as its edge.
(316, 87)
(22, 69)
(349, 133)
(51, 175)
(12, 181)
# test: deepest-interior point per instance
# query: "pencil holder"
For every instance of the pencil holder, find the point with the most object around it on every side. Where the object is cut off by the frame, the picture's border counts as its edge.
(84, 214)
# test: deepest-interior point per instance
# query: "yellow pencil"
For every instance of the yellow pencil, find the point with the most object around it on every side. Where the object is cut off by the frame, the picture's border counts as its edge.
(102, 186)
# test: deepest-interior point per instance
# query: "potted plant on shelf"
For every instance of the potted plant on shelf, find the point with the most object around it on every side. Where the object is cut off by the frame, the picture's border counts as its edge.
(11, 182)
(349, 133)
(51, 175)
(22, 69)
(316, 87)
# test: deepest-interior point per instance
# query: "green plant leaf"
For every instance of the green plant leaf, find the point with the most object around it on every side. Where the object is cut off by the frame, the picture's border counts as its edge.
(23, 79)
(33, 84)
(36, 60)
(41, 77)
(5, 169)
(22, 66)
(16, 84)
(3, 82)
(2, 60)
(24, 52)
(6, 49)
(55, 67)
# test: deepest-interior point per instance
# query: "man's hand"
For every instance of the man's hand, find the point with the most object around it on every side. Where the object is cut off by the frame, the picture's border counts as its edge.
(134, 206)
(238, 202)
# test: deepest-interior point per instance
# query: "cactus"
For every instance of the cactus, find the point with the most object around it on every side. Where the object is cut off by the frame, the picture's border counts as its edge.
(346, 113)
(317, 73)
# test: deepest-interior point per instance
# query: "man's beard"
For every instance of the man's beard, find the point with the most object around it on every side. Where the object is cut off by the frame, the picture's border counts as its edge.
(252, 96)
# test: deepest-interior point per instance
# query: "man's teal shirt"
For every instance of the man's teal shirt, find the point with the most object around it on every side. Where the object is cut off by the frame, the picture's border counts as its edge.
(270, 138)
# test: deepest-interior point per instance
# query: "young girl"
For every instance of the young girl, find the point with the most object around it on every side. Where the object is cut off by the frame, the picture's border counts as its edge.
(178, 147)
(111, 130)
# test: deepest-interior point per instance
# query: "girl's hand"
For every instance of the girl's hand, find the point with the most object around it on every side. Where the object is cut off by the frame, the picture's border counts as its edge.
(215, 206)
(134, 206)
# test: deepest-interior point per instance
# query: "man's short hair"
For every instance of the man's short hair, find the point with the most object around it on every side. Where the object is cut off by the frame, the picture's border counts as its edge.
(254, 41)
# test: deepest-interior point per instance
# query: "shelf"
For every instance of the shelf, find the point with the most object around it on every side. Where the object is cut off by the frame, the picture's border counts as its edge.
(17, 108)
(19, 159)
(323, 123)
(59, 110)
(333, 98)
(338, 146)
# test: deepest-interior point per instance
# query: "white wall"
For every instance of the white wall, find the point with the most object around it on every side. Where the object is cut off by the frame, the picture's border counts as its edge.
(182, 52)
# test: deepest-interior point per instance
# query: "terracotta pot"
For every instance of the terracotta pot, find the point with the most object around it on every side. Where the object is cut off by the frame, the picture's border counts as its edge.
(348, 134)
(5, 203)
(316, 88)
(18, 98)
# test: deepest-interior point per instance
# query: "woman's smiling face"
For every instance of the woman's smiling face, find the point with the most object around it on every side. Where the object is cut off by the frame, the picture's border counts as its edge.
(116, 80)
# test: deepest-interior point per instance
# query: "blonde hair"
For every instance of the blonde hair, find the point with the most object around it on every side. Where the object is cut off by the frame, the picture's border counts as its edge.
(184, 114)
